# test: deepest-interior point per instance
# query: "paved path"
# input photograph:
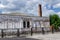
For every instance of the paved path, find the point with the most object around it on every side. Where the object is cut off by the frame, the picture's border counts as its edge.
(49, 36)
(18, 39)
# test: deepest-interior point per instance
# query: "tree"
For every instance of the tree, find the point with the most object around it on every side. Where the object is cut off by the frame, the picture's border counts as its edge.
(55, 21)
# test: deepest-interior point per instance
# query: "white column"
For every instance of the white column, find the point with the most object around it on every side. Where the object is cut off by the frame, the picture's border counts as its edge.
(31, 24)
(21, 23)
(26, 24)
(42, 24)
(34, 24)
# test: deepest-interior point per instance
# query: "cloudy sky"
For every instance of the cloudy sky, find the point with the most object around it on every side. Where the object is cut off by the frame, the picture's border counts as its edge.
(30, 6)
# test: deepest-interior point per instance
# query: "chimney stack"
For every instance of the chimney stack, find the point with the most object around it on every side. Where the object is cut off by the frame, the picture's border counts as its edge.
(40, 10)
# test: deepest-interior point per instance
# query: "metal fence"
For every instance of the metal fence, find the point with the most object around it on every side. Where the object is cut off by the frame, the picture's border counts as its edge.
(23, 31)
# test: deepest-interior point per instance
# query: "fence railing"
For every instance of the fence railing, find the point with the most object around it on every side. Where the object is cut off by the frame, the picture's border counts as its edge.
(20, 31)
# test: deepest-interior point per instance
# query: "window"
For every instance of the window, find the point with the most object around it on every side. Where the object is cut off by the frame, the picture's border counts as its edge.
(24, 24)
(28, 24)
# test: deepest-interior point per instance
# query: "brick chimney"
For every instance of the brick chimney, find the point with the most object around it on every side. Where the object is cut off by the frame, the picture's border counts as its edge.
(39, 10)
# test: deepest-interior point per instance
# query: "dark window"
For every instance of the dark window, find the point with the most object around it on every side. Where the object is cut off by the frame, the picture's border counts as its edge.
(24, 24)
(28, 24)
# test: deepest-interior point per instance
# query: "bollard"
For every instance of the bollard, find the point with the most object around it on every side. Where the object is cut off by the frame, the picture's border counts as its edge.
(18, 33)
(2, 34)
(43, 32)
(31, 32)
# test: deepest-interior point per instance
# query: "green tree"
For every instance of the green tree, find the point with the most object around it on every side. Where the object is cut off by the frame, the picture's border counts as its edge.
(55, 20)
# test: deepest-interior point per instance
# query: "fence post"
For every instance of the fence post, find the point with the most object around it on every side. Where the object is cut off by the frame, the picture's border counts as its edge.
(18, 33)
(31, 31)
(43, 32)
(2, 33)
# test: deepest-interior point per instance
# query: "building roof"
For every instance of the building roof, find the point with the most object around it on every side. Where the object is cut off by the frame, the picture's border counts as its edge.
(18, 13)
(17, 16)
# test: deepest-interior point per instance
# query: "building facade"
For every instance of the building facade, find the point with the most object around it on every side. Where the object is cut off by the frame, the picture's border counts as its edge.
(22, 21)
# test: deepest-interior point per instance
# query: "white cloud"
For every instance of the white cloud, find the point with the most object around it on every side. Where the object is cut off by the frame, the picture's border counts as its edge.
(58, 13)
(28, 6)
(2, 6)
(47, 12)
(10, 5)
(50, 3)
(5, 12)
(10, 1)
(56, 5)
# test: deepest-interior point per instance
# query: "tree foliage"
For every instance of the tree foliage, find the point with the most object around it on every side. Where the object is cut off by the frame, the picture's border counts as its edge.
(55, 20)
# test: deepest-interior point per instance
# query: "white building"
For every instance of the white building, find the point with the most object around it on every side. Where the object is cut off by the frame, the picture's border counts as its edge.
(16, 20)
(20, 20)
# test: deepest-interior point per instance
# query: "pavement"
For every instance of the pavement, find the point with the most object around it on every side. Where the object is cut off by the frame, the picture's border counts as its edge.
(18, 38)
(47, 36)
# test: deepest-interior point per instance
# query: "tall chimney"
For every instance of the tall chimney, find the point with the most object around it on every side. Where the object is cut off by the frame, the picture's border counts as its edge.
(39, 10)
